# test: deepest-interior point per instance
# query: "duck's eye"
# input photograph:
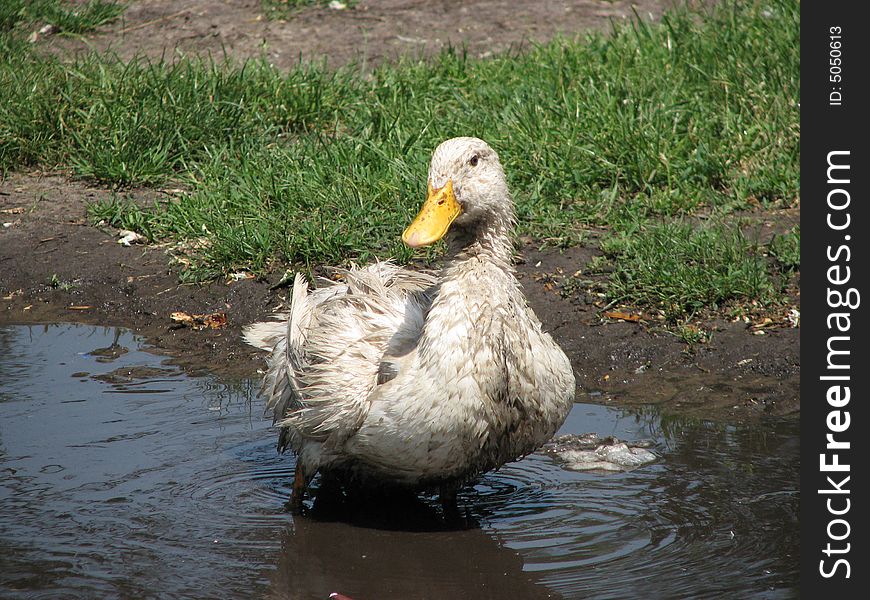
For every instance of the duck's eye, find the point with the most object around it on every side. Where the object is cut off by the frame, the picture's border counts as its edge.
(474, 160)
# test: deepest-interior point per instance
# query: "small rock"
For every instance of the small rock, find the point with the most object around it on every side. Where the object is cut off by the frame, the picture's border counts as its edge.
(239, 276)
(616, 457)
(590, 452)
(44, 30)
(130, 237)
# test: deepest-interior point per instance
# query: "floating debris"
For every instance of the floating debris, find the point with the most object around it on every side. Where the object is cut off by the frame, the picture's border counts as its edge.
(127, 375)
(109, 353)
(590, 452)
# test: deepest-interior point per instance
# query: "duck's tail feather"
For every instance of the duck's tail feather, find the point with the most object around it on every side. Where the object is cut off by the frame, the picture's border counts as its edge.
(264, 335)
(283, 338)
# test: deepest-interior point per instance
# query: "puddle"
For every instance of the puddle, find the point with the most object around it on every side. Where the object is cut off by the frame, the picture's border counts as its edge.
(123, 477)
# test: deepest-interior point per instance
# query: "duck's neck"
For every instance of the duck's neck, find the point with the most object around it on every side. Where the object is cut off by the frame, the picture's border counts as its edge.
(483, 242)
(478, 286)
(478, 276)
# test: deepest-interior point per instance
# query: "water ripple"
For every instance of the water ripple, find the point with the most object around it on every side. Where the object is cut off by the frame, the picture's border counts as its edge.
(130, 479)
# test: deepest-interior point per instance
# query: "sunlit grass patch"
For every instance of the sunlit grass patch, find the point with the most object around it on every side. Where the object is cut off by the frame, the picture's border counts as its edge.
(678, 268)
(141, 123)
(786, 249)
(645, 124)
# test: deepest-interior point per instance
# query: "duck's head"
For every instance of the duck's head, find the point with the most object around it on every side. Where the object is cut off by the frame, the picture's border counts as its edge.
(467, 194)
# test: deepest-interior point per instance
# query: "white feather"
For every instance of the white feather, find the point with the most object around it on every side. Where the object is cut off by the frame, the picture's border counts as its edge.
(405, 377)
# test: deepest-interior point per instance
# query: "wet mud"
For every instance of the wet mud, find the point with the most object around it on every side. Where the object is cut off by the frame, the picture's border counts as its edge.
(55, 267)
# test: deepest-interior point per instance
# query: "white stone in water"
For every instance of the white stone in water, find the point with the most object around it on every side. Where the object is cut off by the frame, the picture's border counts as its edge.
(578, 454)
(615, 457)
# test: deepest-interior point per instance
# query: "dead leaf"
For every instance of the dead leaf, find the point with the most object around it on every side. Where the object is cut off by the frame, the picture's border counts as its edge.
(14, 293)
(15, 210)
(765, 322)
(216, 320)
(623, 316)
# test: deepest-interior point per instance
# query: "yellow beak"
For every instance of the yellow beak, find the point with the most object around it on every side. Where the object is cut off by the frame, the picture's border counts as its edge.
(434, 219)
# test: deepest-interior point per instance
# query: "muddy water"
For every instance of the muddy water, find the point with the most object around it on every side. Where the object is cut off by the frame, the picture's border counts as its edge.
(121, 477)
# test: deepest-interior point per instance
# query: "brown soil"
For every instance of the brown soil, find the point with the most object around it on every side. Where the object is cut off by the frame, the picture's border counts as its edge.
(54, 267)
(370, 32)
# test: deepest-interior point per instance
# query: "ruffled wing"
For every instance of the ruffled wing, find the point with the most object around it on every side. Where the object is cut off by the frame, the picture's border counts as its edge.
(333, 348)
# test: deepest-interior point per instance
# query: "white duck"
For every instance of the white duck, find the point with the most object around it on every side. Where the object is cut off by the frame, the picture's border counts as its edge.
(402, 378)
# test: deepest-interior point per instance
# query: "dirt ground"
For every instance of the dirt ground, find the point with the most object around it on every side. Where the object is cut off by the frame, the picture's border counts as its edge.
(370, 32)
(55, 267)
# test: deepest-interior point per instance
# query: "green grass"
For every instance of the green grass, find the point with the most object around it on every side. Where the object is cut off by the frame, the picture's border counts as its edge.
(623, 129)
(57, 283)
(692, 335)
(786, 249)
(67, 17)
(678, 268)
